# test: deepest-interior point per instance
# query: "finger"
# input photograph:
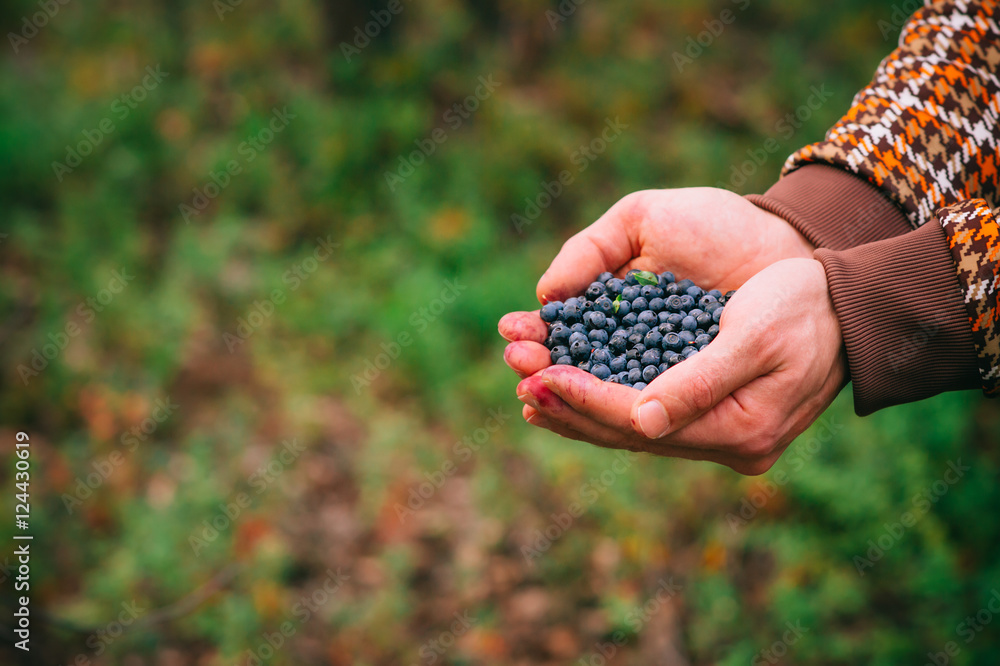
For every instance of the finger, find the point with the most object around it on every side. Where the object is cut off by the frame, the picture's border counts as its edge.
(527, 358)
(516, 326)
(532, 391)
(607, 403)
(606, 245)
(690, 389)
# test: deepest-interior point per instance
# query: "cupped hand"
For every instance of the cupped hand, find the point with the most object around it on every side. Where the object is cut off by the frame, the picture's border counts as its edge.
(711, 236)
(776, 365)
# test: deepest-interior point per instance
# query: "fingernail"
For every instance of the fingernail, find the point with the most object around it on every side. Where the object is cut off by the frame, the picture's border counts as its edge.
(653, 419)
(531, 419)
(503, 336)
(528, 399)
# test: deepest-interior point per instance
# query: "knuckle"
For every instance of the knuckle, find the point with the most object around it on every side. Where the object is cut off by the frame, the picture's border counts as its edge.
(701, 392)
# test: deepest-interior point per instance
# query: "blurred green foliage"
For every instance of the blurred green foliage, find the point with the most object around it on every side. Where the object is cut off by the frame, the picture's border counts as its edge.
(134, 535)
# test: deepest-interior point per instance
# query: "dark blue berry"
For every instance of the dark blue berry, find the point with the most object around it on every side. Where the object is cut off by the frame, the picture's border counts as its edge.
(630, 277)
(632, 354)
(688, 352)
(580, 351)
(641, 329)
(687, 336)
(649, 318)
(674, 304)
(571, 313)
(630, 319)
(649, 373)
(557, 352)
(666, 276)
(584, 365)
(650, 357)
(578, 338)
(550, 312)
(640, 304)
(657, 304)
(630, 293)
(663, 367)
(634, 339)
(715, 293)
(601, 356)
(633, 364)
(598, 335)
(689, 323)
(653, 339)
(614, 287)
(604, 277)
(564, 360)
(560, 334)
(717, 315)
(684, 285)
(605, 306)
(713, 330)
(672, 342)
(617, 364)
(638, 386)
(686, 302)
(704, 320)
(672, 358)
(595, 290)
(600, 371)
(702, 340)
(634, 376)
(578, 328)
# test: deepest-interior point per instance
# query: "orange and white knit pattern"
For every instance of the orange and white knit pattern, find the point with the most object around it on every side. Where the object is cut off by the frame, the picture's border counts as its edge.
(926, 131)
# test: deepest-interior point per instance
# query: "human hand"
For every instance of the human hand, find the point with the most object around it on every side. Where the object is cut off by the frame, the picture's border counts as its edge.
(776, 365)
(711, 236)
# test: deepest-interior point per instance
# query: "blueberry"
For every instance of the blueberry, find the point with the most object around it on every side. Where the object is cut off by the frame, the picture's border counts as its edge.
(584, 365)
(558, 352)
(689, 323)
(587, 306)
(605, 306)
(715, 293)
(672, 358)
(571, 312)
(630, 277)
(595, 290)
(624, 307)
(617, 364)
(617, 344)
(611, 325)
(641, 329)
(577, 338)
(687, 302)
(649, 318)
(713, 330)
(663, 367)
(550, 312)
(580, 351)
(688, 352)
(672, 289)
(639, 349)
(675, 319)
(707, 300)
(634, 364)
(598, 335)
(613, 379)
(639, 304)
(634, 376)
(630, 319)
(725, 298)
(634, 339)
(614, 287)
(667, 276)
(684, 285)
(717, 315)
(649, 373)
(649, 292)
(672, 342)
(601, 356)
(695, 311)
(564, 360)
(657, 304)
(650, 357)
(600, 371)
(663, 317)
(704, 320)
(673, 304)
(560, 334)
(632, 354)
(653, 339)
(695, 292)
(666, 328)
(712, 307)
(598, 319)
(702, 340)
(630, 293)
(604, 277)
(578, 328)
(687, 336)
(638, 386)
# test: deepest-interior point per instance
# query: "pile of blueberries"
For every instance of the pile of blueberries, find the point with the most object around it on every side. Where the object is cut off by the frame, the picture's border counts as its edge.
(629, 331)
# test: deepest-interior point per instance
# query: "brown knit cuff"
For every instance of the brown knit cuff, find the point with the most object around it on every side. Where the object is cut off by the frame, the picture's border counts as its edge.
(903, 318)
(833, 208)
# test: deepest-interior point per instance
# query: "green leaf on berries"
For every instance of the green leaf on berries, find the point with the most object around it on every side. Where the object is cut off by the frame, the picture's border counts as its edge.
(647, 278)
(618, 299)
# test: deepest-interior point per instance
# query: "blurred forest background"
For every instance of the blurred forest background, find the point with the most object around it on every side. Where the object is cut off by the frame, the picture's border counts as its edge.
(253, 261)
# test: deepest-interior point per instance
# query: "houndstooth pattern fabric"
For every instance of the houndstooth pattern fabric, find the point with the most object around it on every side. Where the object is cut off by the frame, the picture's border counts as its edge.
(926, 131)
(974, 237)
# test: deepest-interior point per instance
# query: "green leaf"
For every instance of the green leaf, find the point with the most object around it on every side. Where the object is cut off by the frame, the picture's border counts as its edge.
(618, 299)
(647, 278)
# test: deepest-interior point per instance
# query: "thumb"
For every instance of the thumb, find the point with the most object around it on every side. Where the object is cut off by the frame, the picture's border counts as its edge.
(606, 245)
(690, 389)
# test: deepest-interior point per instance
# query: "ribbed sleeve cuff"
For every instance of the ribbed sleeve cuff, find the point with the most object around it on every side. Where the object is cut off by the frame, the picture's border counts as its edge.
(903, 319)
(833, 208)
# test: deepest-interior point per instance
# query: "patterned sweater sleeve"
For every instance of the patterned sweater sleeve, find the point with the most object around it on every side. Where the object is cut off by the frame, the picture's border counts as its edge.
(920, 144)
